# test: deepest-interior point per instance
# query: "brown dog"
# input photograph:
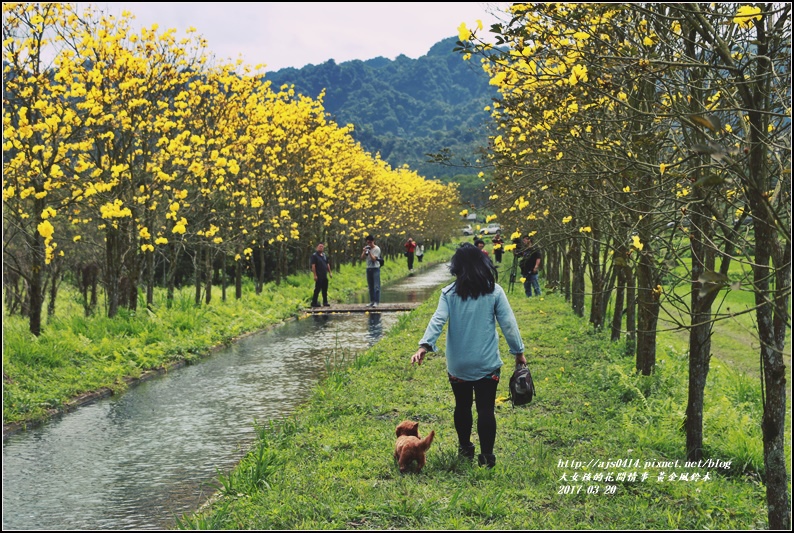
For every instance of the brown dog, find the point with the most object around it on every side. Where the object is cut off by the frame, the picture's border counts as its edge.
(410, 447)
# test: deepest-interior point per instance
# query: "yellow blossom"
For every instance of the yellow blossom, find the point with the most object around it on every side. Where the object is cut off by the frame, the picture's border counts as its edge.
(745, 15)
(658, 290)
(463, 32)
(46, 230)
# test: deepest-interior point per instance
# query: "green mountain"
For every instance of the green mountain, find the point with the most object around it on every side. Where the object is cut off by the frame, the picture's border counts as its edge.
(406, 108)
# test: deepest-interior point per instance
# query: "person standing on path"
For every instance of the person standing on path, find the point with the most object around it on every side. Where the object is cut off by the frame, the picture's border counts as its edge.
(420, 251)
(410, 249)
(472, 305)
(498, 246)
(372, 253)
(530, 265)
(321, 268)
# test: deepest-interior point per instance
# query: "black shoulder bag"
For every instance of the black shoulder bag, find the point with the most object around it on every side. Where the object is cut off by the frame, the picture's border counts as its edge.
(522, 388)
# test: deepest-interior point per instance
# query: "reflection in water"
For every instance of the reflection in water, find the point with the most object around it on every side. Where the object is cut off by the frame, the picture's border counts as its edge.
(320, 319)
(415, 288)
(374, 327)
(136, 460)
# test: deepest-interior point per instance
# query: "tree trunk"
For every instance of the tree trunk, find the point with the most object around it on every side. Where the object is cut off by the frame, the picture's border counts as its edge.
(577, 284)
(112, 269)
(223, 277)
(617, 317)
(208, 253)
(173, 260)
(702, 299)
(772, 317)
(150, 280)
(197, 275)
(553, 270)
(648, 315)
(238, 279)
(566, 273)
(631, 311)
(55, 282)
(260, 278)
(599, 286)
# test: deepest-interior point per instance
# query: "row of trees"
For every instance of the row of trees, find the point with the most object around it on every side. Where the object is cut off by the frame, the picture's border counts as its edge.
(637, 140)
(124, 153)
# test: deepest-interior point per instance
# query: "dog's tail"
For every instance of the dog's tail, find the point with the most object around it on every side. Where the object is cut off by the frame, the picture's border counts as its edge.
(425, 442)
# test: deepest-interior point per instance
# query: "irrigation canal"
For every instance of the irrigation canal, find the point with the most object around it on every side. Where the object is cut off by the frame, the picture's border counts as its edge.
(142, 458)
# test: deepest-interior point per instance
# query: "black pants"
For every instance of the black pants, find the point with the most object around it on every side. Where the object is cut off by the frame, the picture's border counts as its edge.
(410, 256)
(484, 393)
(320, 285)
(419, 258)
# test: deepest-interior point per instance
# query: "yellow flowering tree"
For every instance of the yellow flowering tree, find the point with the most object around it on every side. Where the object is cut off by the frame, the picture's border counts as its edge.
(127, 81)
(41, 131)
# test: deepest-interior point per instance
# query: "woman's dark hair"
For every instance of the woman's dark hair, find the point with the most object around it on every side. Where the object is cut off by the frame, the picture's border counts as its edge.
(474, 271)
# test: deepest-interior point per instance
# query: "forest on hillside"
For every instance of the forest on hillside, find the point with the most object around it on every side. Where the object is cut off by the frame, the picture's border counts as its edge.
(405, 109)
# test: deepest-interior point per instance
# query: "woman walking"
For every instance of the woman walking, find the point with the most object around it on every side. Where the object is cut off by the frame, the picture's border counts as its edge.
(473, 304)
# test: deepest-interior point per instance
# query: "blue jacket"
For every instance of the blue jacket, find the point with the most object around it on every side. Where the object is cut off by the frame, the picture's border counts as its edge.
(472, 341)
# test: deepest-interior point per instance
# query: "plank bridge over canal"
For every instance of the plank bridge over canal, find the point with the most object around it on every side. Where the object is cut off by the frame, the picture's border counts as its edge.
(362, 308)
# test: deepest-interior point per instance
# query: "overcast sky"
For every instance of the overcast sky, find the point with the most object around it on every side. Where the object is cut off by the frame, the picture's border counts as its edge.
(282, 34)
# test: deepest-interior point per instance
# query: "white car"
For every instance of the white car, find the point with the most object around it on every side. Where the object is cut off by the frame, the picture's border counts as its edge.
(491, 229)
(467, 230)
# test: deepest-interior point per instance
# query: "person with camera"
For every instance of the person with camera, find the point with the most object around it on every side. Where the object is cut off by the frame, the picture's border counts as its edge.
(410, 249)
(372, 254)
(471, 307)
(530, 264)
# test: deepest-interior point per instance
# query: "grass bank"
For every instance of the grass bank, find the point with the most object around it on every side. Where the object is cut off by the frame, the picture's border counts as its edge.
(78, 358)
(599, 447)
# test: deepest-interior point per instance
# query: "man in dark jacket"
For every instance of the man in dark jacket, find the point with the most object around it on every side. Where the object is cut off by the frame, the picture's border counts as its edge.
(321, 268)
(530, 264)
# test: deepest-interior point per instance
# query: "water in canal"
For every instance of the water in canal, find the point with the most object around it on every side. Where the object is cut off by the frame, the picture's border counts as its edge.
(137, 460)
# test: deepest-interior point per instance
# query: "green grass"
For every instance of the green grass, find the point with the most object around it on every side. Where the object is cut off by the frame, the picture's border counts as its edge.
(76, 355)
(330, 465)
(336, 470)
